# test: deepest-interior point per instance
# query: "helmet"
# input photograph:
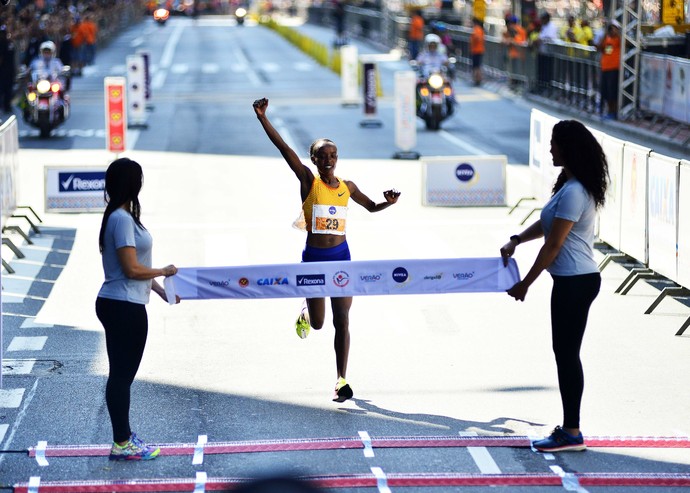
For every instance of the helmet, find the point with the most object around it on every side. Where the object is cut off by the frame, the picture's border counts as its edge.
(432, 38)
(48, 45)
(440, 27)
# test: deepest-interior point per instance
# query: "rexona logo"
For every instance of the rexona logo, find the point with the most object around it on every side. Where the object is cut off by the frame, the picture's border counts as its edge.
(86, 181)
(464, 172)
(223, 283)
(400, 274)
(463, 276)
(273, 281)
(341, 279)
(311, 280)
(243, 282)
(370, 277)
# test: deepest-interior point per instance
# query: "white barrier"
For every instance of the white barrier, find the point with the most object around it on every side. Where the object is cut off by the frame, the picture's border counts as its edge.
(663, 214)
(634, 202)
(647, 211)
(684, 225)
(610, 214)
(544, 173)
(9, 146)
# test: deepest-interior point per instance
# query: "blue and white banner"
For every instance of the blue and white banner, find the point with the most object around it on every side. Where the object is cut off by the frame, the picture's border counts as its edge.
(339, 279)
(74, 189)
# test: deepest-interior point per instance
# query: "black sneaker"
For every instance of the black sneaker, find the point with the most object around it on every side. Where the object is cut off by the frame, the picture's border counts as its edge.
(343, 391)
(561, 441)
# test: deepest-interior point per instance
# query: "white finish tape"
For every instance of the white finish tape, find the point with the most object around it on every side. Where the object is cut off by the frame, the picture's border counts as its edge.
(34, 482)
(200, 483)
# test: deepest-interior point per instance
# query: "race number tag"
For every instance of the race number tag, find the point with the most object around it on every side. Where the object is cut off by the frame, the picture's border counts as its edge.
(329, 219)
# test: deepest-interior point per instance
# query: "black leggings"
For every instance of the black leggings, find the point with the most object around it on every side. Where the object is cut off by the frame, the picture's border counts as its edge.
(571, 298)
(126, 327)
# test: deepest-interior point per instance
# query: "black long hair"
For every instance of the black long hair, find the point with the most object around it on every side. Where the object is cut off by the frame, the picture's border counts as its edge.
(583, 156)
(123, 181)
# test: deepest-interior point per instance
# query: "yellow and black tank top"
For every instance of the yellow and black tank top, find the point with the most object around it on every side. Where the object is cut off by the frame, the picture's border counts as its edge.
(325, 209)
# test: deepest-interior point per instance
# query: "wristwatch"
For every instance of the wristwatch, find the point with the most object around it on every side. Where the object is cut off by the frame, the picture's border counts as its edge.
(516, 239)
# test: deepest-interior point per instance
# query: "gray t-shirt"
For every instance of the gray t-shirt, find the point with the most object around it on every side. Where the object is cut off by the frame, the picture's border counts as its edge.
(122, 231)
(573, 203)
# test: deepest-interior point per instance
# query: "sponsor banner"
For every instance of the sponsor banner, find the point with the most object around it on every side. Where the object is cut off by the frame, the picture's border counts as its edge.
(684, 225)
(634, 202)
(610, 214)
(74, 189)
(333, 279)
(652, 82)
(115, 114)
(663, 214)
(465, 180)
(405, 110)
(349, 75)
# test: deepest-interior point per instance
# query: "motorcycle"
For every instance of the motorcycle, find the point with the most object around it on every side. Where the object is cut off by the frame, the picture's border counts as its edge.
(46, 104)
(161, 15)
(435, 96)
(240, 14)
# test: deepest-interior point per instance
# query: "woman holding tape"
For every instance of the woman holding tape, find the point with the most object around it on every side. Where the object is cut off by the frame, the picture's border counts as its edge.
(324, 203)
(567, 223)
(125, 247)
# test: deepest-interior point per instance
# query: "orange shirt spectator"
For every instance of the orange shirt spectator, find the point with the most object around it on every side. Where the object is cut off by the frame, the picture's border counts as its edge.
(416, 28)
(610, 53)
(477, 40)
(89, 30)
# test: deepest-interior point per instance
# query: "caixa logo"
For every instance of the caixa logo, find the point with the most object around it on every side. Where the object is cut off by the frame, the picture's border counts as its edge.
(273, 281)
(341, 279)
(400, 275)
(464, 172)
(223, 283)
(463, 276)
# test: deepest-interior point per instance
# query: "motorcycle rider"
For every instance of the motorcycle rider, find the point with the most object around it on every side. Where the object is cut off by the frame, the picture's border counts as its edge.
(47, 63)
(432, 59)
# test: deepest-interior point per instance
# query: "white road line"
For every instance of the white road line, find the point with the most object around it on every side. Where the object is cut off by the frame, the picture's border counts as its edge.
(20, 417)
(17, 367)
(179, 68)
(210, 68)
(166, 60)
(285, 134)
(3, 430)
(11, 398)
(253, 78)
(467, 147)
(481, 456)
(33, 343)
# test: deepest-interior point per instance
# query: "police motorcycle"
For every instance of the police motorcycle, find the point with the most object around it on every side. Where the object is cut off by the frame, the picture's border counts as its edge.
(46, 104)
(240, 15)
(435, 96)
(161, 15)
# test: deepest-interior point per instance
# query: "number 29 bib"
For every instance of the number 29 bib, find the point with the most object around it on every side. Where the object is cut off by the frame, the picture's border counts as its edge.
(329, 219)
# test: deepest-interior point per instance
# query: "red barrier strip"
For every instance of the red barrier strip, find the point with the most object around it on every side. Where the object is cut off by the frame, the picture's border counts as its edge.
(369, 481)
(356, 442)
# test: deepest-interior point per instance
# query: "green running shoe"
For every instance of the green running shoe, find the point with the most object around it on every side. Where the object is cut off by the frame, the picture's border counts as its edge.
(302, 325)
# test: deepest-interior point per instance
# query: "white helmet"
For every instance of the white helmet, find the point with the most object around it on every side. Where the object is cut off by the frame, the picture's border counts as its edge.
(48, 45)
(432, 38)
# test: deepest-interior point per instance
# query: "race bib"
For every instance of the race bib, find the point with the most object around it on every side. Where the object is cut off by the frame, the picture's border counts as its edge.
(329, 219)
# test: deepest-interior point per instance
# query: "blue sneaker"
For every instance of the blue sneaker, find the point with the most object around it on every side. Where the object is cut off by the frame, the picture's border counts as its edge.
(560, 441)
